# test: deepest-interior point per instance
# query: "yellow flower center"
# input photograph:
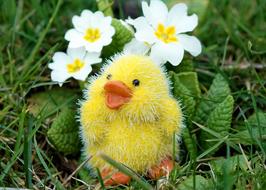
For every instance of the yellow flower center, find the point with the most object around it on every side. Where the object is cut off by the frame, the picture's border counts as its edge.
(92, 34)
(75, 66)
(166, 34)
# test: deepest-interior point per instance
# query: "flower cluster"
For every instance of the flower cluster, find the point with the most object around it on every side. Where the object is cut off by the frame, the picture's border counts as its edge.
(158, 34)
(91, 32)
(161, 33)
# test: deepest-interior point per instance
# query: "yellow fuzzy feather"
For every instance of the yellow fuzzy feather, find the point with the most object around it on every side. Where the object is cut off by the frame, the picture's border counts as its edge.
(140, 133)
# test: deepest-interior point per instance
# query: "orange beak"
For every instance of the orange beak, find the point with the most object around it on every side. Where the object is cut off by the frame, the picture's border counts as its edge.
(116, 94)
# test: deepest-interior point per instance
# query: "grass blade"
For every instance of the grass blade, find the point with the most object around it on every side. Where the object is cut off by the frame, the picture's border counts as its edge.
(28, 153)
(125, 170)
(100, 178)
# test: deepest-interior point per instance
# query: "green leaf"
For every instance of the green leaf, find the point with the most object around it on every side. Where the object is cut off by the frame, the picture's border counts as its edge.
(257, 120)
(186, 89)
(85, 176)
(185, 66)
(64, 132)
(201, 183)
(218, 91)
(218, 121)
(190, 81)
(121, 37)
(232, 164)
(185, 96)
(253, 131)
(227, 170)
(86, 172)
(247, 137)
(106, 7)
(189, 143)
(48, 101)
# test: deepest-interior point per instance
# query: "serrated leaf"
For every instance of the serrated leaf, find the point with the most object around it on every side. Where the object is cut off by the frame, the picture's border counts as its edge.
(257, 120)
(218, 91)
(121, 37)
(247, 137)
(219, 121)
(185, 66)
(254, 131)
(48, 101)
(227, 170)
(189, 143)
(185, 96)
(232, 163)
(190, 81)
(201, 183)
(64, 132)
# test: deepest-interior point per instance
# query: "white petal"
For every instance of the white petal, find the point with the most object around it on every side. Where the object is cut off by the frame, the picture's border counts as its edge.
(86, 13)
(106, 35)
(157, 55)
(106, 40)
(186, 23)
(179, 18)
(72, 34)
(60, 60)
(75, 44)
(60, 57)
(94, 47)
(144, 32)
(58, 65)
(172, 52)
(83, 73)
(108, 28)
(136, 47)
(75, 38)
(99, 15)
(130, 21)
(59, 76)
(92, 58)
(98, 20)
(106, 22)
(190, 44)
(75, 53)
(90, 20)
(177, 11)
(155, 13)
(80, 23)
(107, 31)
(52, 65)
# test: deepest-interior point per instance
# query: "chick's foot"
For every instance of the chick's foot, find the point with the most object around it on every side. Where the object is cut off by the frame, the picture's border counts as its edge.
(163, 169)
(116, 178)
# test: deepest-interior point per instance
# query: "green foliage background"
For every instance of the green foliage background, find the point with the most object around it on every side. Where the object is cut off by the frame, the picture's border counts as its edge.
(222, 91)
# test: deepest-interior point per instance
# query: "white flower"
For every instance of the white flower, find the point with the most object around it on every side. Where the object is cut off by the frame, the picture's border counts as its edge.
(136, 47)
(75, 63)
(91, 30)
(164, 31)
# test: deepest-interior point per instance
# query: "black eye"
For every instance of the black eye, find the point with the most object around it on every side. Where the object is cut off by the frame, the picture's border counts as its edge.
(135, 82)
(109, 76)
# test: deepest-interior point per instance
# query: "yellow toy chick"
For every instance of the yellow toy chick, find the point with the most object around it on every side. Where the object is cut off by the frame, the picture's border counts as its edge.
(130, 115)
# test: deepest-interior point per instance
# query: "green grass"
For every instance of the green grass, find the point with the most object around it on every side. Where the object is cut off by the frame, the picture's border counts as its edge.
(234, 39)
